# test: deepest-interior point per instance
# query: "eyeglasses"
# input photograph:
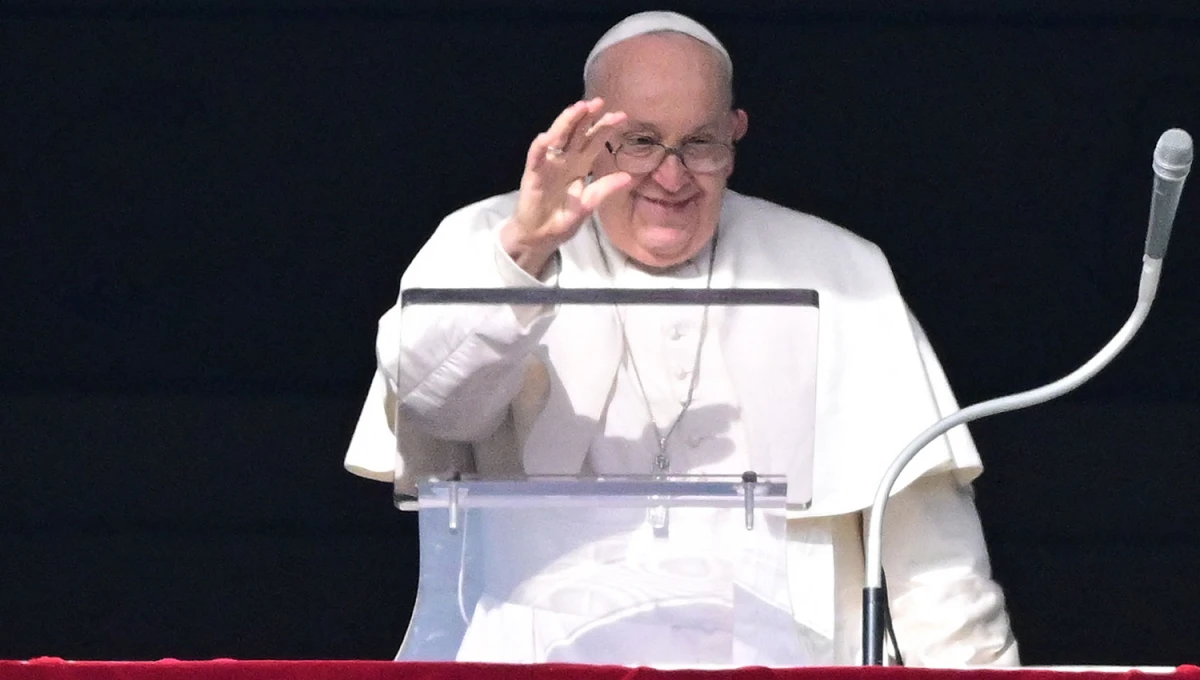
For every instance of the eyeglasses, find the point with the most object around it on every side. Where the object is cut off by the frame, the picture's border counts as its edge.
(643, 155)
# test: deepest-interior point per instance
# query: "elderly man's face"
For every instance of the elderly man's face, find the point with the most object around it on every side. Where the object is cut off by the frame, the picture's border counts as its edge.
(672, 90)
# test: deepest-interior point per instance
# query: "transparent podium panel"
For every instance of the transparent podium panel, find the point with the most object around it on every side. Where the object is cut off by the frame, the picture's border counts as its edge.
(657, 571)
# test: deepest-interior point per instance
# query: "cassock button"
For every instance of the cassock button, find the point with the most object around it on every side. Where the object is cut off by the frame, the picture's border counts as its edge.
(683, 374)
(695, 440)
(676, 333)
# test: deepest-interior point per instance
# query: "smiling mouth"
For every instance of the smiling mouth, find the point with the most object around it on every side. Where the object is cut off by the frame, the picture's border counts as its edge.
(667, 203)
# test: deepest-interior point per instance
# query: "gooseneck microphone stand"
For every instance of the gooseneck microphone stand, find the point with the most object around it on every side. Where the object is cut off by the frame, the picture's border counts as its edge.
(1172, 161)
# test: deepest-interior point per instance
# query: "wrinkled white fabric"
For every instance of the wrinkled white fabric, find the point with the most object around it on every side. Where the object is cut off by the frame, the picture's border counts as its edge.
(828, 403)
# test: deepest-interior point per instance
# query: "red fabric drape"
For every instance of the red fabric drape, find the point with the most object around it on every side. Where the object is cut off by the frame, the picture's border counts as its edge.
(228, 669)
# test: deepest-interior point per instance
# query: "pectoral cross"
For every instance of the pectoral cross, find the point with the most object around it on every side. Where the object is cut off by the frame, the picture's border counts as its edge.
(659, 516)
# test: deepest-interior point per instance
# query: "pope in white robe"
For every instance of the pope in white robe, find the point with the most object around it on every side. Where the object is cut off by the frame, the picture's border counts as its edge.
(628, 190)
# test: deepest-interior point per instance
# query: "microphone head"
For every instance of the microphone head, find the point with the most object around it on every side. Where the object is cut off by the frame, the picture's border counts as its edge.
(1173, 154)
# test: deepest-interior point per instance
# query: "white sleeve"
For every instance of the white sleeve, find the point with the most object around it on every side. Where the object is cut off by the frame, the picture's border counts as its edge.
(456, 368)
(946, 609)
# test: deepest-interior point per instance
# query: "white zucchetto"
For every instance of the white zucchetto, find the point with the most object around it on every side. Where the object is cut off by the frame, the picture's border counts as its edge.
(656, 22)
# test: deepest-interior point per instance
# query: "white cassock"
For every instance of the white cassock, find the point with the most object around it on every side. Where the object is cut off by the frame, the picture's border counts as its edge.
(504, 391)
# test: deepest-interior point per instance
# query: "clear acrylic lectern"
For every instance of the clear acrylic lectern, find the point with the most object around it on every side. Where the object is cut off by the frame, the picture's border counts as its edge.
(662, 569)
(639, 570)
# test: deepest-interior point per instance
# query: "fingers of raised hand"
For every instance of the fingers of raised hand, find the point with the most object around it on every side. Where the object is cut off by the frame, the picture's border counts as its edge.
(544, 151)
(591, 196)
(559, 159)
(537, 152)
(559, 136)
(579, 131)
(600, 129)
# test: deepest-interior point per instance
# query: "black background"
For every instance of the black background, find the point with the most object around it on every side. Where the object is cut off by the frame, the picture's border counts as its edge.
(206, 206)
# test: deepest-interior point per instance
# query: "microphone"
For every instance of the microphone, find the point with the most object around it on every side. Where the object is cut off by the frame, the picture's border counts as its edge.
(1172, 161)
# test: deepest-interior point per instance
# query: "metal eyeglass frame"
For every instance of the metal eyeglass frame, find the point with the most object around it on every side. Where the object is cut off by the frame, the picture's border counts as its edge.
(676, 151)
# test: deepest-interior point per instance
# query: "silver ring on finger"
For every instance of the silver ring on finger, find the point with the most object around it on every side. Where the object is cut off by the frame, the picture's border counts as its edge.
(555, 151)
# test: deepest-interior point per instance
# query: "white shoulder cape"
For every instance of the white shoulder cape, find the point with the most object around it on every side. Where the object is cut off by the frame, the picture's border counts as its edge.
(878, 383)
